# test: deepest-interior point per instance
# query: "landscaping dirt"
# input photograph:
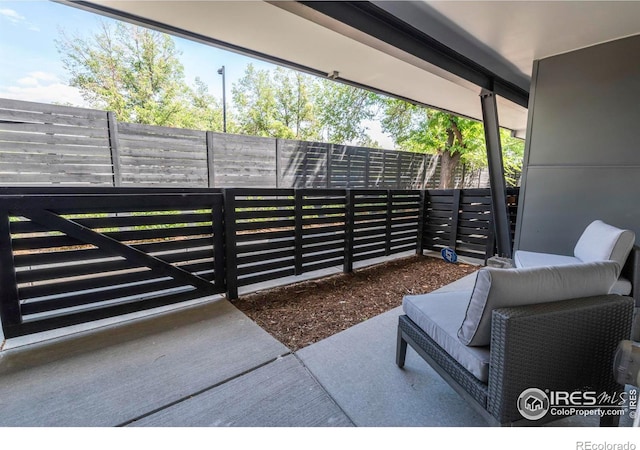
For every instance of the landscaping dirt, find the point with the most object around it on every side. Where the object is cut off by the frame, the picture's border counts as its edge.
(303, 313)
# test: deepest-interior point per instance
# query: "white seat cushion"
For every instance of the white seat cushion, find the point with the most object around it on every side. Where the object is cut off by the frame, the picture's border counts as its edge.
(439, 314)
(621, 287)
(524, 259)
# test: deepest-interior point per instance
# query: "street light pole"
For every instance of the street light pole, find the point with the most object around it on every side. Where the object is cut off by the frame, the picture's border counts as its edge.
(224, 100)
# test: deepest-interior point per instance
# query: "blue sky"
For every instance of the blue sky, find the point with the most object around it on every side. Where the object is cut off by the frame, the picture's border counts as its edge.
(31, 66)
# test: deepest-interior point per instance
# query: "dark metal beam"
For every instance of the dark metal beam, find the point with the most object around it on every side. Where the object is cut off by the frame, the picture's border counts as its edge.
(376, 22)
(496, 174)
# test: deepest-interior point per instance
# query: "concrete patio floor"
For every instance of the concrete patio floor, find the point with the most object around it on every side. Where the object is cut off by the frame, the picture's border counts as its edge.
(208, 365)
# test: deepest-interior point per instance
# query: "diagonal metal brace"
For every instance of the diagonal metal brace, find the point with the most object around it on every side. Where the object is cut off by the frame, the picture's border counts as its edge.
(117, 248)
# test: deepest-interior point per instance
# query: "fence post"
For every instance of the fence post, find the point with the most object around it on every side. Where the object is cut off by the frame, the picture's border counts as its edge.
(455, 215)
(490, 248)
(278, 163)
(384, 168)
(230, 250)
(9, 300)
(305, 165)
(329, 164)
(425, 165)
(349, 181)
(398, 169)
(210, 159)
(348, 231)
(298, 194)
(114, 147)
(219, 263)
(422, 217)
(367, 169)
(387, 237)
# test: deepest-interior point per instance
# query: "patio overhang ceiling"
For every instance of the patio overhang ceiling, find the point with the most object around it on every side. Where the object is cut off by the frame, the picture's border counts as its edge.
(440, 54)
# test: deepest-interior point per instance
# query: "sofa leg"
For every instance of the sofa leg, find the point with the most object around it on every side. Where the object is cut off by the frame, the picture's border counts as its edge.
(401, 349)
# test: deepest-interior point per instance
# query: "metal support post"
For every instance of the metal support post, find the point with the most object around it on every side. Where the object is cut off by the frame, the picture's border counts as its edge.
(496, 173)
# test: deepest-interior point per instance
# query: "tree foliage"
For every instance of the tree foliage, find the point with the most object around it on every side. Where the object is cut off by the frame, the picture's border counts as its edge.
(136, 73)
(342, 112)
(454, 139)
(287, 104)
(418, 129)
(275, 104)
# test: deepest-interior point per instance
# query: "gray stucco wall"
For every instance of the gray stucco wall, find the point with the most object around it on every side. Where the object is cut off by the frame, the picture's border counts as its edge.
(582, 157)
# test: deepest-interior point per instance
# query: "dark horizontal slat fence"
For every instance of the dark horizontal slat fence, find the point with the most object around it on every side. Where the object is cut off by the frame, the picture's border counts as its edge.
(260, 227)
(44, 144)
(320, 229)
(75, 254)
(462, 220)
(82, 257)
(273, 234)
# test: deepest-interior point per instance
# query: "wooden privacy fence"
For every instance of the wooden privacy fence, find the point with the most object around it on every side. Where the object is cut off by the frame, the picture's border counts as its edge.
(71, 255)
(44, 144)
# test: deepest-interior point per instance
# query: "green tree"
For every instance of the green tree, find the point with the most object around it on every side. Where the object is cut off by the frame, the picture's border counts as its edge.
(294, 109)
(136, 73)
(254, 102)
(205, 111)
(288, 104)
(342, 110)
(512, 157)
(274, 103)
(454, 139)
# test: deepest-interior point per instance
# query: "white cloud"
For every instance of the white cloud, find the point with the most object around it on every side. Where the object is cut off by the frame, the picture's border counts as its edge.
(16, 18)
(12, 15)
(34, 78)
(27, 81)
(42, 87)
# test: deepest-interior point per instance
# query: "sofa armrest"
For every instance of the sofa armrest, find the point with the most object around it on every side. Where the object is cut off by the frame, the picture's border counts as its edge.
(631, 271)
(567, 345)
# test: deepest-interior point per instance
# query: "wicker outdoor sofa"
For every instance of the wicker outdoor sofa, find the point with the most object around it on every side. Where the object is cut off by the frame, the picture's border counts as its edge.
(553, 328)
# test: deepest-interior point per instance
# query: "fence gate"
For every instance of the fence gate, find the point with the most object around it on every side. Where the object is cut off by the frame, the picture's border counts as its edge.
(68, 259)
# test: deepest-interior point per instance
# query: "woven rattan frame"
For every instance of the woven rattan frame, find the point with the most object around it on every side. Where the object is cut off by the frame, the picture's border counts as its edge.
(567, 345)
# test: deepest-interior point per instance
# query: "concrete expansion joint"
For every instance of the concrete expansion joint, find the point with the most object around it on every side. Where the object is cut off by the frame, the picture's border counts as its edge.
(202, 391)
(311, 374)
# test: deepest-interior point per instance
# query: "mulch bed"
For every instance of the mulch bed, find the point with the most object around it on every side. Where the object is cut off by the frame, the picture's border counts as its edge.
(303, 313)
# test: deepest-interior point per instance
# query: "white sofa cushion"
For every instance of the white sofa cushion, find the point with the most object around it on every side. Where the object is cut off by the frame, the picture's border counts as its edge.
(601, 242)
(498, 288)
(439, 314)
